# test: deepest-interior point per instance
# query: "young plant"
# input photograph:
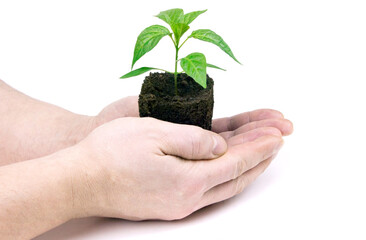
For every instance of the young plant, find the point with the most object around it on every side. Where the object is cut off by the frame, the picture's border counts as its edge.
(194, 65)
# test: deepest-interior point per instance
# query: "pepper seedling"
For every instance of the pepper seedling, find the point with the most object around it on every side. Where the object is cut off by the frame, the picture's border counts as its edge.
(194, 65)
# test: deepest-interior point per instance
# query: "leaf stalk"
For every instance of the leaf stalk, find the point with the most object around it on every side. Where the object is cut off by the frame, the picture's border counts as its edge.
(183, 42)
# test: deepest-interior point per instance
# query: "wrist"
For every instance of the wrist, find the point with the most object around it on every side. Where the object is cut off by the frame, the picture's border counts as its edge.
(42, 194)
(33, 128)
(41, 130)
(86, 178)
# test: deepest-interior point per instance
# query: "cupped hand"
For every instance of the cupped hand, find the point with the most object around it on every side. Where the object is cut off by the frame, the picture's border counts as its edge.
(254, 123)
(236, 130)
(143, 168)
(227, 127)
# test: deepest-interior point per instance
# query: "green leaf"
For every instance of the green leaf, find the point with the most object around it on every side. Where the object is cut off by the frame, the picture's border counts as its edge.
(210, 36)
(171, 16)
(147, 40)
(195, 66)
(138, 72)
(189, 17)
(213, 66)
(179, 29)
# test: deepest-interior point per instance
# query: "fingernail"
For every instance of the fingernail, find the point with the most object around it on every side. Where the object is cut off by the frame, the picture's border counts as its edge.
(219, 145)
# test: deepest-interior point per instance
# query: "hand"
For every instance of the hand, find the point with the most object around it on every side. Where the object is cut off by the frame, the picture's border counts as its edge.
(227, 127)
(255, 124)
(125, 107)
(251, 125)
(34, 129)
(149, 169)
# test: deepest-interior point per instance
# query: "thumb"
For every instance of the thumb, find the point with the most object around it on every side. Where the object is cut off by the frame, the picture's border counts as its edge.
(125, 107)
(192, 143)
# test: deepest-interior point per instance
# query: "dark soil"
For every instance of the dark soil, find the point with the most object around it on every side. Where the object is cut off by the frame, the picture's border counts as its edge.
(193, 105)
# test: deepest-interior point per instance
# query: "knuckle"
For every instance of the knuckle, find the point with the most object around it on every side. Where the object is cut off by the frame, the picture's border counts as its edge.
(197, 138)
(193, 147)
(240, 184)
(240, 167)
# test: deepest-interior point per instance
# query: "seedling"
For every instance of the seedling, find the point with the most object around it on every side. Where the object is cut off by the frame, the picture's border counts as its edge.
(194, 64)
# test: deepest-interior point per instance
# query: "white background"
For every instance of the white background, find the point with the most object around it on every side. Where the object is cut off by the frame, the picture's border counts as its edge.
(304, 58)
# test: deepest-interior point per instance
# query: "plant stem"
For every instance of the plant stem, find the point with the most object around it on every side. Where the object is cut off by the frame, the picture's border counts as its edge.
(177, 47)
(175, 71)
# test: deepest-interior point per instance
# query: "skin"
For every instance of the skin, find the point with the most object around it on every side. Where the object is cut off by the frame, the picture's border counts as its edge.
(118, 165)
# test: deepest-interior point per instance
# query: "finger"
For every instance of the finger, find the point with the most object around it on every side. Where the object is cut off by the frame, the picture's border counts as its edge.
(253, 135)
(131, 106)
(239, 159)
(229, 189)
(234, 122)
(284, 125)
(190, 142)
